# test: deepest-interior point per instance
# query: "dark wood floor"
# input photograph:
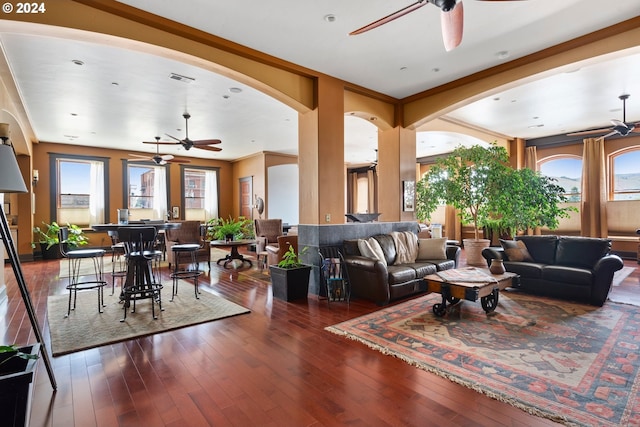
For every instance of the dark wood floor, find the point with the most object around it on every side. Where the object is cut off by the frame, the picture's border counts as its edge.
(274, 367)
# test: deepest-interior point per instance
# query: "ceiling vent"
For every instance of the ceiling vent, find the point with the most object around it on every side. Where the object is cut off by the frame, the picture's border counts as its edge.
(181, 78)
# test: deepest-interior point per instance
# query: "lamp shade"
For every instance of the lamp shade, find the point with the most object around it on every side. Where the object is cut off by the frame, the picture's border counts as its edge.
(10, 177)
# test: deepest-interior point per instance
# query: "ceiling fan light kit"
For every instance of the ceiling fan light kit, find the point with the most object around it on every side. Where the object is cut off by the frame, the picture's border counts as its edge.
(451, 20)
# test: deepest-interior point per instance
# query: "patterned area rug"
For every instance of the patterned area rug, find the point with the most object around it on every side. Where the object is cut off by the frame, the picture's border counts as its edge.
(86, 328)
(572, 363)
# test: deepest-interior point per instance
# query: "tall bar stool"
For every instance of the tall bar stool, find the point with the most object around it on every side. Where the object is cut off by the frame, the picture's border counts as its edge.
(75, 284)
(143, 278)
(191, 250)
(118, 260)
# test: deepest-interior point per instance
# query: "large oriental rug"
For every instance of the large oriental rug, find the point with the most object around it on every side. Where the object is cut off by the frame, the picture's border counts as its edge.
(572, 363)
(86, 328)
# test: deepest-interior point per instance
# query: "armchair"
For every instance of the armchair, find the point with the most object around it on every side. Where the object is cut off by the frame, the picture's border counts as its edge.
(188, 232)
(267, 232)
(276, 251)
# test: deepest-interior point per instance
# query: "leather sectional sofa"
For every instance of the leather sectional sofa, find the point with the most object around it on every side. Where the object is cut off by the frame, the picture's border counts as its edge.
(385, 281)
(577, 268)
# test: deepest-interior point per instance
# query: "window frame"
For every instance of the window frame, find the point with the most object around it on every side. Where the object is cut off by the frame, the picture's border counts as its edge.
(611, 173)
(125, 180)
(557, 157)
(54, 180)
(183, 187)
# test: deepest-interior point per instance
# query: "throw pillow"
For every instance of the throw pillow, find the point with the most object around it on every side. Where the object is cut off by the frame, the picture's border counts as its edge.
(377, 249)
(367, 251)
(516, 250)
(432, 248)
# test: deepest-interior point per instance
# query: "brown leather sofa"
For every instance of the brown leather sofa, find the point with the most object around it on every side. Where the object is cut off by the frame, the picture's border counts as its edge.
(188, 232)
(276, 251)
(577, 268)
(382, 283)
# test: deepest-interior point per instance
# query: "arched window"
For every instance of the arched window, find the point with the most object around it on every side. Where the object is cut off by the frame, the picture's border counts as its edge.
(567, 170)
(625, 175)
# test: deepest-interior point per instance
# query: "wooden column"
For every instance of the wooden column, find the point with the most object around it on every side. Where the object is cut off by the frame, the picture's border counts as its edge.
(396, 164)
(321, 157)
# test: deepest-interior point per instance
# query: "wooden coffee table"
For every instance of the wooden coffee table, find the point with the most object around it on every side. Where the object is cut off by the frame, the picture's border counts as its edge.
(469, 284)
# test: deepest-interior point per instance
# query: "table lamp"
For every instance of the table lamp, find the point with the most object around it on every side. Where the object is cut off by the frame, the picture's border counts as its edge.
(11, 182)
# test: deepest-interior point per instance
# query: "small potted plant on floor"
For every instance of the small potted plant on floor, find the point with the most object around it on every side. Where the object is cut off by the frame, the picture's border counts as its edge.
(49, 240)
(17, 365)
(290, 277)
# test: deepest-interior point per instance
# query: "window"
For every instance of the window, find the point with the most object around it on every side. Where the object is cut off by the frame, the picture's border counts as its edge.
(79, 183)
(625, 176)
(146, 191)
(568, 173)
(200, 193)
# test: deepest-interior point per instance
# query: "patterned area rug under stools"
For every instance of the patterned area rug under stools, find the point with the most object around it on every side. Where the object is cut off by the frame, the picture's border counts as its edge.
(573, 363)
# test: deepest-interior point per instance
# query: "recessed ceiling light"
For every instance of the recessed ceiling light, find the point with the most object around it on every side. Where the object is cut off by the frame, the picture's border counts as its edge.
(435, 70)
(403, 68)
(74, 114)
(503, 54)
(77, 62)
(330, 18)
(115, 84)
(235, 90)
(226, 96)
(497, 98)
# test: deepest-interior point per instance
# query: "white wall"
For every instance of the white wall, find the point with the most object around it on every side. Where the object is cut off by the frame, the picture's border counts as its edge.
(282, 190)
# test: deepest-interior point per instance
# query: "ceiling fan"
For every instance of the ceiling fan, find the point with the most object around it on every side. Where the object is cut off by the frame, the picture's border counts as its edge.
(621, 128)
(204, 144)
(451, 19)
(159, 159)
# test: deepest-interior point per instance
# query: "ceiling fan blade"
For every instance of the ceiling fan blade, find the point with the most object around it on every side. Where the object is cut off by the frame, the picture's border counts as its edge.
(167, 156)
(172, 137)
(612, 133)
(390, 17)
(452, 24)
(208, 147)
(142, 156)
(589, 132)
(179, 160)
(159, 142)
(207, 142)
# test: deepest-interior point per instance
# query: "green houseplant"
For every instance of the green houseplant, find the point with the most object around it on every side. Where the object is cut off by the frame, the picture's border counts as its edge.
(48, 237)
(290, 277)
(229, 229)
(17, 366)
(469, 179)
(528, 199)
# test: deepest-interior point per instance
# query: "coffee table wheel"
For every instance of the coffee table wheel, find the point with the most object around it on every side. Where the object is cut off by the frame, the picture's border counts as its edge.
(490, 302)
(439, 309)
(452, 300)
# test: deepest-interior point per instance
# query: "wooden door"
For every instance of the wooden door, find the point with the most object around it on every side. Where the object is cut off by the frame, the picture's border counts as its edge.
(246, 189)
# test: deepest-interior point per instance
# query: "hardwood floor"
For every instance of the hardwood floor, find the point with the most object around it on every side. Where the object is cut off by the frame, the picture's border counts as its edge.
(273, 367)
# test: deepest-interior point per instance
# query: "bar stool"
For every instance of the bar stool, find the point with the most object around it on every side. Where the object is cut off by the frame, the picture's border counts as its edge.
(75, 257)
(190, 249)
(143, 278)
(118, 262)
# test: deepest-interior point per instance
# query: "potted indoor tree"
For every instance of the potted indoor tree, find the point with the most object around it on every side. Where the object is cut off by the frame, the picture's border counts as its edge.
(229, 229)
(469, 179)
(527, 200)
(290, 277)
(17, 365)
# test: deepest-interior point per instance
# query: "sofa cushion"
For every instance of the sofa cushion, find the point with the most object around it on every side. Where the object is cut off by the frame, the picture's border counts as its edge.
(399, 274)
(568, 275)
(388, 247)
(525, 269)
(516, 250)
(366, 250)
(581, 252)
(541, 248)
(423, 268)
(375, 246)
(432, 248)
